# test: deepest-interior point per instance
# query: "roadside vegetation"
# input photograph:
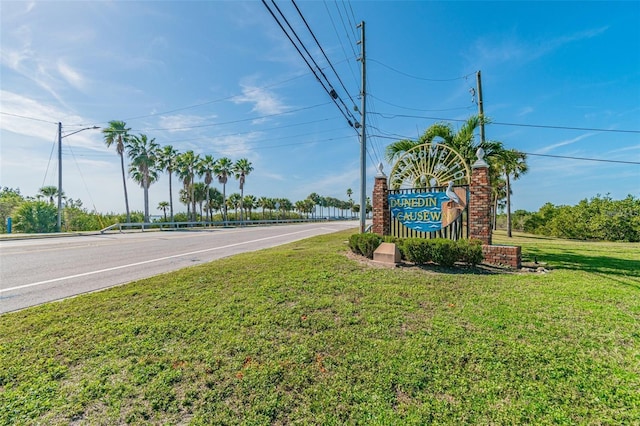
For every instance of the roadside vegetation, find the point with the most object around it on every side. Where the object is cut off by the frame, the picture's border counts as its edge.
(304, 334)
(38, 214)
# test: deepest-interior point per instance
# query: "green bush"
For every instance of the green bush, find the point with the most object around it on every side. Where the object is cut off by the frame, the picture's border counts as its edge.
(470, 251)
(418, 250)
(438, 250)
(445, 252)
(364, 244)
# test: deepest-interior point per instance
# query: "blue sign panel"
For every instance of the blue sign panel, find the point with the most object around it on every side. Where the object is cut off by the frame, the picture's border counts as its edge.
(424, 212)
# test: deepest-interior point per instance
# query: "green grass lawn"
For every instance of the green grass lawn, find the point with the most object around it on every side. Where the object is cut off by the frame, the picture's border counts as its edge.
(302, 334)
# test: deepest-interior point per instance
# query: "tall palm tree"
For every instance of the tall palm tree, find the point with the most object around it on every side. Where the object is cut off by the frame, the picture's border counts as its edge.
(512, 163)
(164, 205)
(241, 169)
(462, 141)
(118, 134)
(143, 153)
(223, 169)
(167, 162)
(186, 164)
(205, 167)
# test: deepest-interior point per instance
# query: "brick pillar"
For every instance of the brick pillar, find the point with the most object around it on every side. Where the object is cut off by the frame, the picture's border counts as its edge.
(380, 204)
(480, 201)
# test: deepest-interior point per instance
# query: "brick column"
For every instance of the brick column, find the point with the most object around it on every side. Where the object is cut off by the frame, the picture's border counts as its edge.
(380, 204)
(480, 201)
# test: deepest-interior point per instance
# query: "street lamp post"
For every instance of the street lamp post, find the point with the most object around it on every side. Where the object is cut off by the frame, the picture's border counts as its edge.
(59, 225)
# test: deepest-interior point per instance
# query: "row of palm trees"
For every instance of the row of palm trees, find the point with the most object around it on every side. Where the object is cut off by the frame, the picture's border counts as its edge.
(148, 159)
(247, 203)
(505, 164)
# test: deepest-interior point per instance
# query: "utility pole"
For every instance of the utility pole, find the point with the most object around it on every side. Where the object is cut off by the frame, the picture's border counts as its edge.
(59, 225)
(363, 137)
(480, 109)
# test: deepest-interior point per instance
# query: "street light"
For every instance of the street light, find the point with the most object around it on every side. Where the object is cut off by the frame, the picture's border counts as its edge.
(59, 227)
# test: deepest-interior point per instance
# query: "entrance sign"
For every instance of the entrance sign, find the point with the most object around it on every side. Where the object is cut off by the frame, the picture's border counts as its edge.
(427, 211)
(417, 197)
(430, 164)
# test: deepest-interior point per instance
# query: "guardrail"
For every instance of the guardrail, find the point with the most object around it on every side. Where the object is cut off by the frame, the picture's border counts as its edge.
(172, 226)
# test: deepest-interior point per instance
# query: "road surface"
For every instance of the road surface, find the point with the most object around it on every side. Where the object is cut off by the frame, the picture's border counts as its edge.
(37, 271)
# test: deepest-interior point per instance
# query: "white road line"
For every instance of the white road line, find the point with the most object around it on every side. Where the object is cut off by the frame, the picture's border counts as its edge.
(2, 290)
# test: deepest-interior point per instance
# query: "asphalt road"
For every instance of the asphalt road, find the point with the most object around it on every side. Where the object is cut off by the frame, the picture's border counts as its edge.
(37, 271)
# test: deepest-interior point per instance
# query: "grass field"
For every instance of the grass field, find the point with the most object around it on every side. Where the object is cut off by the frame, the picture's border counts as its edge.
(302, 334)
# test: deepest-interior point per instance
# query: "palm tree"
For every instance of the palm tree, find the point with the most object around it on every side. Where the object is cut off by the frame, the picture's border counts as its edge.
(167, 161)
(249, 202)
(512, 163)
(241, 170)
(223, 168)
(118, 134)
(164, 205)
(48, 191)
(205, 167)
(186, 164)
(215, 201)
(316, 200)
(265, 203)
(462, 141)
(199, 192)
(234, 201)
(143, 153)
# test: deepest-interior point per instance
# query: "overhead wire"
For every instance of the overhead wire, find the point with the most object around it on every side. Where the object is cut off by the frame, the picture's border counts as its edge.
(603, 160)
(392, 116)
(344, 51)
(421, 78)
(332, 93)
(323, 52)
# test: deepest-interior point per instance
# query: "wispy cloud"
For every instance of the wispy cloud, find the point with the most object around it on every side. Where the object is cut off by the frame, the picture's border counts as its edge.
(182, 122)
(548, 148)
(525, 111)
(512, 49)
(72, 76)
(264, 102)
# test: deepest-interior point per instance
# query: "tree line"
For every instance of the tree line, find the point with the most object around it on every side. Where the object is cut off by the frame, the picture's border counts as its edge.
(598, 218)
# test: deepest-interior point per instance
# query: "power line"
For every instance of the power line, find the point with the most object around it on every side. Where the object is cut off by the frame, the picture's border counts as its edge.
(581, 158)
(418, 109)
(237, 121)
(323, 52)
(332, 93)
(543, 126)
(602, 160)
(421, 78)
(29, 118)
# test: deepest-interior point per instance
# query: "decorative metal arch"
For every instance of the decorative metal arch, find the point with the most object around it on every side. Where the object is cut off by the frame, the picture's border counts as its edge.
(429, 164)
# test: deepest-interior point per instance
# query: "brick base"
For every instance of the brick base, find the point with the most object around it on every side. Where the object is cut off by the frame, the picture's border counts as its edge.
(503, 255)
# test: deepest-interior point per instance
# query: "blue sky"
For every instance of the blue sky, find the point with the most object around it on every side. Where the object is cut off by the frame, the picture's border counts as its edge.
(220, 78)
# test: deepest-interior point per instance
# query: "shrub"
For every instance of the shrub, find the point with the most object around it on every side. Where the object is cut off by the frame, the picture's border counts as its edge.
(445, 252)
(364, 244)
(417, 250)
(470, 251)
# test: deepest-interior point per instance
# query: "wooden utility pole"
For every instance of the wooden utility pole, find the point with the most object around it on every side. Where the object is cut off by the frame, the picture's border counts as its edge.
(480, 109)
(363, 137)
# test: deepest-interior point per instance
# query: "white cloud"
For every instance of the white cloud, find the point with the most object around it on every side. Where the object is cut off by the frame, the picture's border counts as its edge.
(509, 48)
(563, 143)
(182, 122)
(72, 76)
(264, 102)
